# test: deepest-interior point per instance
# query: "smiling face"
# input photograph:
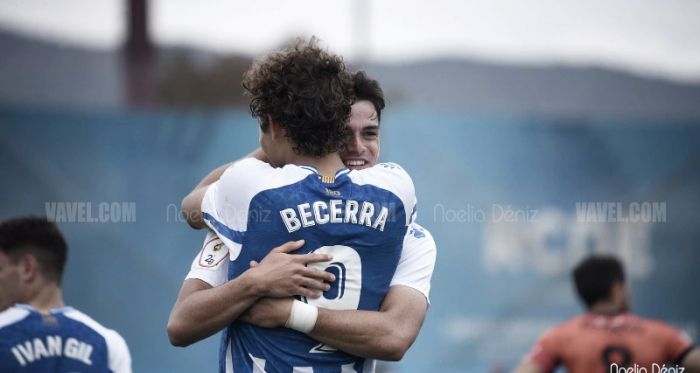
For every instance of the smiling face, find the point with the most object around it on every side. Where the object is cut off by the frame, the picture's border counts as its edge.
(362, 150)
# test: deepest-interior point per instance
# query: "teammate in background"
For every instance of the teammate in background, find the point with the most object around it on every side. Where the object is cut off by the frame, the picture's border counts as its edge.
(38, 333)
(608, 338)
(302, 98)
(386, 334)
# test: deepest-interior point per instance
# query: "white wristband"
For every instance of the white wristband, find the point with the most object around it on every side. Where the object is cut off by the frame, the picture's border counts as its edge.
(303, 317)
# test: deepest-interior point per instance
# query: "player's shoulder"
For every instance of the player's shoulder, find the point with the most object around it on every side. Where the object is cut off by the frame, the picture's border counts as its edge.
(245, 170)
(12, 315)
(392, 178)
(109, 334)
(82, 318)
(389, 167)
(566, 329)
(119, 357)
(647, 320)
(419, 232)
(253, 174)
(654, 326)
(582, 321)
(388, 176)
(253, 165)
(249, 164)
(418, 236)
(383, 170)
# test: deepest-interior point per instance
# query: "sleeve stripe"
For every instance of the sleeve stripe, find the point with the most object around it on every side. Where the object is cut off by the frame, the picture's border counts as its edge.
(234, 236)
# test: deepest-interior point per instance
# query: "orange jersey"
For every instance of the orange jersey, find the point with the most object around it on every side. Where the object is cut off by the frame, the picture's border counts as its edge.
(591, 343)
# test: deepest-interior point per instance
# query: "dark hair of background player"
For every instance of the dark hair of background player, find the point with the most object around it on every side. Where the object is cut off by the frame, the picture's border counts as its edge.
(595, 276)
(366, 88)
(307, 91)
(38, 237)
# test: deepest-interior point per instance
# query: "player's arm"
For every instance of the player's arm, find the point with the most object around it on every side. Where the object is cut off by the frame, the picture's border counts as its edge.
(202, 310)
(390, 332)
(385, 334)
(192, 203)
(119, 359)
(528, 367)
(691, 361)
(678, 347)
(543, 358)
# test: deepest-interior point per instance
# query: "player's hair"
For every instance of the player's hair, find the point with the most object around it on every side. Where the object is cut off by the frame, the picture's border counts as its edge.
(595, 276)
(368, 89)
(39, 237)
(306, 90)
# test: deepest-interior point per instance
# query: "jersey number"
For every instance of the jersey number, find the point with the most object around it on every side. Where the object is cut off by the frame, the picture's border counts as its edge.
(344, 293)
(616, 355)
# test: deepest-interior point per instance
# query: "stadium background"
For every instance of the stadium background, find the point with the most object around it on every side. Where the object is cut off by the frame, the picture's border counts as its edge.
(143, 126)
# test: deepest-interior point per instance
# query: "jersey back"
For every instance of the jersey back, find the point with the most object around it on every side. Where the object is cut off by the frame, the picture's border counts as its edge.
(602, 343)
(63, 340)
(360, 218)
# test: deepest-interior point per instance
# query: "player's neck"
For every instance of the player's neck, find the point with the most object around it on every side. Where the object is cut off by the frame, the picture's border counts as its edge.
(607, 309)
(326, 166)
(46, 297)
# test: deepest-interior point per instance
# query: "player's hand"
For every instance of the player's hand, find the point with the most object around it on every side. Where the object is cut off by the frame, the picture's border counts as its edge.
(268, 312)
(281, 274)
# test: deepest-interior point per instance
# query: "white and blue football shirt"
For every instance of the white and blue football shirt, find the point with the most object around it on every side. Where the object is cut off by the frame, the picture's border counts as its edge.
(61, 340)
(360, 217)
(415, 268)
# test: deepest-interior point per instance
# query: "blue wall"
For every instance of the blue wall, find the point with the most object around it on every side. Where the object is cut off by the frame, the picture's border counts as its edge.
(497, 283)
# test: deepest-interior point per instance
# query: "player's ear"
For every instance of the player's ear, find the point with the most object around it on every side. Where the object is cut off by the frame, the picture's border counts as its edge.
(276, 131)
(617, 290)
(29, 268)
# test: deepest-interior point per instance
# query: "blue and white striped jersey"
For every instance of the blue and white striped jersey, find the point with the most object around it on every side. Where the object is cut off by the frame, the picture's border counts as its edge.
(360, 217)
(61, 340)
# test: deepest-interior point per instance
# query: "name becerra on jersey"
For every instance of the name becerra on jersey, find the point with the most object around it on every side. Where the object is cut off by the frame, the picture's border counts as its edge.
(335, 211)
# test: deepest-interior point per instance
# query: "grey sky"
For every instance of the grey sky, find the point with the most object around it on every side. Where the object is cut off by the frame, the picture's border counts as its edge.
(660, 38)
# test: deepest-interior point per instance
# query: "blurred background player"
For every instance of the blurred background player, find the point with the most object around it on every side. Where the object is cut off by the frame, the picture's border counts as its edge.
(386, 334)
(302, 97)
(608, 337)
(38, 333)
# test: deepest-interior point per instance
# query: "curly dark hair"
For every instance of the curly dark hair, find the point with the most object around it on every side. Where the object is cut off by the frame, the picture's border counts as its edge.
(366, 88)
(39, 237)
(306, 90)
